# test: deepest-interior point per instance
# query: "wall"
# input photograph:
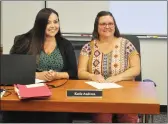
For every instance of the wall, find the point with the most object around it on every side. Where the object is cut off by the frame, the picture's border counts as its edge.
(17, 17)
(154, 65)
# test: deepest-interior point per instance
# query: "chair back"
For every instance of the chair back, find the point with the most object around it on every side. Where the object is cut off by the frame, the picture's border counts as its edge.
(135, 41)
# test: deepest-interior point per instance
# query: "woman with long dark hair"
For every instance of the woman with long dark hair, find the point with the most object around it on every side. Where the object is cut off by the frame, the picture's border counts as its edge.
(53, 52)
(55, 59)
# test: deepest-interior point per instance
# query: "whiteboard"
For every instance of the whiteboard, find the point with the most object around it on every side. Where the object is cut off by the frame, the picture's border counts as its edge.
(133, 17)
(140, 17)
(77, 16)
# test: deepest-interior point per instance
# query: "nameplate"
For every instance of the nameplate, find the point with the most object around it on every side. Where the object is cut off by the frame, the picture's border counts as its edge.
(84, 93)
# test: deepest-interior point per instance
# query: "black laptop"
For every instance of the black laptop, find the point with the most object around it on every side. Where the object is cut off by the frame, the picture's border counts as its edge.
(17, 69)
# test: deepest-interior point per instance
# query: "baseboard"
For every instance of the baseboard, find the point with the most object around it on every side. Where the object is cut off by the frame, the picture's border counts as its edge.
(163, 108)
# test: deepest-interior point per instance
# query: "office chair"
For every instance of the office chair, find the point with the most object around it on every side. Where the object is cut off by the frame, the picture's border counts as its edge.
(135, 41)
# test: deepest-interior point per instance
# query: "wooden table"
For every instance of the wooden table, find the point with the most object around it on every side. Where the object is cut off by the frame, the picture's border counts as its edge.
(133, 97)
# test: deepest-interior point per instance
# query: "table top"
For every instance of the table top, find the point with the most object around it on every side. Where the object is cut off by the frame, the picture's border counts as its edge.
(133, 97)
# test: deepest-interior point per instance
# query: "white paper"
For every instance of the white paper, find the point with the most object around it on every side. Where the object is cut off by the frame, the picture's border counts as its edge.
(17, 91)
(39, 81)
(35, 85)
(2, 93)
(105, 85)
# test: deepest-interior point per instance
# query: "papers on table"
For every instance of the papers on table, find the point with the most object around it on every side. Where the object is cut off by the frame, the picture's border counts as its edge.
(2, 92)
(35, 85)
(103, 85)
(39, 81)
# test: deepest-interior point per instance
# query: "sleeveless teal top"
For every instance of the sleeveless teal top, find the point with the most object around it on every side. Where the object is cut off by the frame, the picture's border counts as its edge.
(52, 61)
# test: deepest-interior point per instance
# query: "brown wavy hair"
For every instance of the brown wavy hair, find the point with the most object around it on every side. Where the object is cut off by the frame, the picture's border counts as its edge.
(95, 34)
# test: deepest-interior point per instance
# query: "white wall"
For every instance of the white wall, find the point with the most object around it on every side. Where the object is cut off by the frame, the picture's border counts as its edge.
(19, 17)
(154, 65)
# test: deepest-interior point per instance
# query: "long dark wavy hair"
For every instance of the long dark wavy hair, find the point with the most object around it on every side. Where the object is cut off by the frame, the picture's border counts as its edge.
(95, 34)
(32, 42)
(39, 30)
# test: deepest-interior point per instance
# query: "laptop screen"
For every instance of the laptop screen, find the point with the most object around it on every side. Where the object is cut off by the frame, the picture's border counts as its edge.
(17, 69)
